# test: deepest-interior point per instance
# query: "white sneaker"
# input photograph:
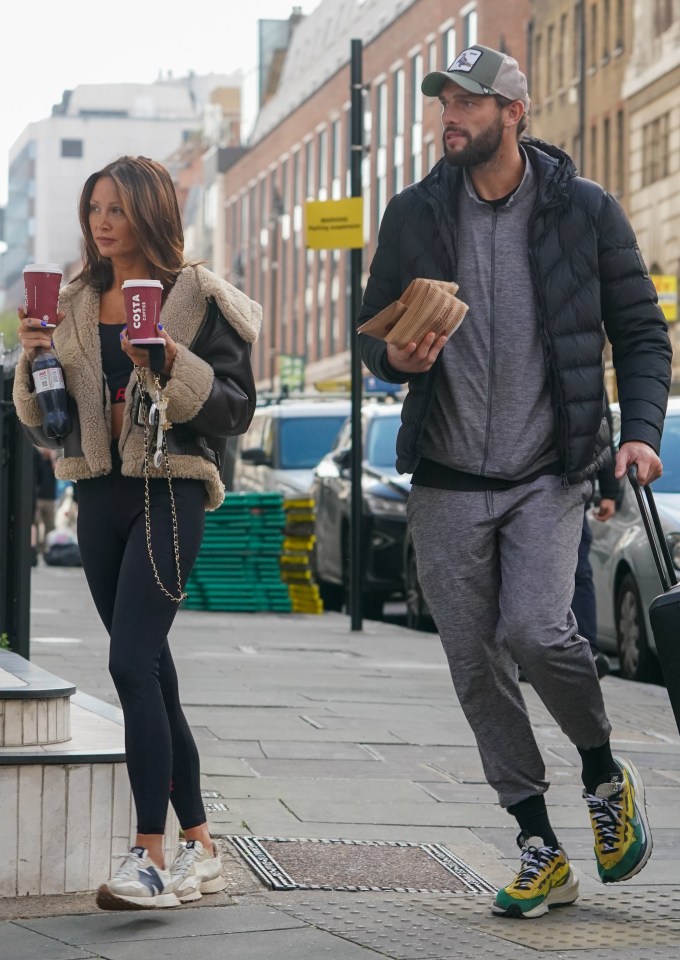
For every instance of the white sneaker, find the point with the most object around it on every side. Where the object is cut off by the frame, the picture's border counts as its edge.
(196, 870)
(138, 884)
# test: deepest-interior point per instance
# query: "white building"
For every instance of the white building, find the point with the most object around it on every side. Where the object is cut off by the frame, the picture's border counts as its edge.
(93, 125)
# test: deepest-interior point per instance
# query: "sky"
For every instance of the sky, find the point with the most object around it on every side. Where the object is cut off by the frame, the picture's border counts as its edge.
(51, 47)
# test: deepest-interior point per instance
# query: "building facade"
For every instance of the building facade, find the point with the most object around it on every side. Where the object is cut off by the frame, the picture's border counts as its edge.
(300, 150)
(652, 91)
(93, 125)
(579, 52)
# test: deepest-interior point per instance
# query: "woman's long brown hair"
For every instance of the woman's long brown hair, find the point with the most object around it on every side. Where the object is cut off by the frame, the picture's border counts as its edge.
(148, 198)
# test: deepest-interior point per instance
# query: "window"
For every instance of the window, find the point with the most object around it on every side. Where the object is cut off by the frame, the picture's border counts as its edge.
(432, 64)
(606, 151)
(620, 41)
(297, 244)
(606, 15)
(416, 118)
(336, 160)
(449, 46)
(562, 58)
(431, 155)
(322, 170)
(620, 154)
(381, 150)
(655, 150)
(663, 16)
(593, 37)
(303, 441)
(550, 54)
(537, 91)
(71, 148)
(576, 40)
(470, 29)
(398, 121)
(283, 206)
(593, 153)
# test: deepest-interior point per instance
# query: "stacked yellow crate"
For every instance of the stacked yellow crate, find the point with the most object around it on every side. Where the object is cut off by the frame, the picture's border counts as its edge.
(298, 544)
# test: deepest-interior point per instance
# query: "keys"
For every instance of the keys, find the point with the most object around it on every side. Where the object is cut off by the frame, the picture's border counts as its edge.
(161, 405)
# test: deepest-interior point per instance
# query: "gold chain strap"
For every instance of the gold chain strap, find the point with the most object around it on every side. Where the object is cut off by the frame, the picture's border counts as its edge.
(147, 499)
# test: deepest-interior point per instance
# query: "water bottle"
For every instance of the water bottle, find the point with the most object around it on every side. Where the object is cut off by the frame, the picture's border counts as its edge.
(48, 378)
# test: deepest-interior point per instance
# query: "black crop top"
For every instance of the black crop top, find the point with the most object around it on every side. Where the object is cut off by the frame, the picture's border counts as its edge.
(116, 365)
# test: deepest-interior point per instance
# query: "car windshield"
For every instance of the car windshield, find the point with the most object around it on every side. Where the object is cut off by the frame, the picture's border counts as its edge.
(305, 440)
(670, 457)
(381, 442)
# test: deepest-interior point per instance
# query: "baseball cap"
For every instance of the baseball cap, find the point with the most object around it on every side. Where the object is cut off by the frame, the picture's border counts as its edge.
(484, 71)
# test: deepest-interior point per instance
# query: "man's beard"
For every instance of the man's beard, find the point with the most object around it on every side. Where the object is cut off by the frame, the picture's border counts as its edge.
(479, 150)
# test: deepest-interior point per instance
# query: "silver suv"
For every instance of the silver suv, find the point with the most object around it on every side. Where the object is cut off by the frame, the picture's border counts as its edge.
(284, 443)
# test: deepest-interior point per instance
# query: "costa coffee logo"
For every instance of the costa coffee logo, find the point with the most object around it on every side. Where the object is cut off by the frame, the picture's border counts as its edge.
(138, 311)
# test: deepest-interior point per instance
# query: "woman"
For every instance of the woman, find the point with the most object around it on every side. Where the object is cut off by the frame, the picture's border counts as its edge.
(139, 537)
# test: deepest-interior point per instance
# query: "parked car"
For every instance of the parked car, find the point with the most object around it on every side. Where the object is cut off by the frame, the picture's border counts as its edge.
(285, 441)
(384, 496)
(626, 580)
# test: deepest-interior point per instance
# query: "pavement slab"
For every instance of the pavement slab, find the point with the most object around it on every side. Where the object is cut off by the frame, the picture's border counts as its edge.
(307, 729)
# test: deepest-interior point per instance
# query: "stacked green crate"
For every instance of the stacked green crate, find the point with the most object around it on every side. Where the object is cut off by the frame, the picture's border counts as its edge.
(238, 567)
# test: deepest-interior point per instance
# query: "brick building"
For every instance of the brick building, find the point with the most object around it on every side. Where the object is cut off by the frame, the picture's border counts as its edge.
(300, 150)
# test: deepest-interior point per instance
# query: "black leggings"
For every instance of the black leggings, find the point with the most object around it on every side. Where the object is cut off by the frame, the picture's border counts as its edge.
(161, 754)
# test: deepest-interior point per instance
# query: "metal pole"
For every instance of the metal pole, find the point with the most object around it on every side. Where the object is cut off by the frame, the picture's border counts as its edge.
(356, 546)
(273, 289)
(16, 517)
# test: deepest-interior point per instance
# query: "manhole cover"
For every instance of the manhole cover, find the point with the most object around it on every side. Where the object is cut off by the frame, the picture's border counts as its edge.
(296, 864)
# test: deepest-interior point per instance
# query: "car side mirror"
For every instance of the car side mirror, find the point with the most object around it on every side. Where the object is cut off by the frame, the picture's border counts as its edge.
(256, 456)
(343, 458)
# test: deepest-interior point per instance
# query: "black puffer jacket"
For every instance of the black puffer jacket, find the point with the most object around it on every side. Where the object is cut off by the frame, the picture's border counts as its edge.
(588, 276)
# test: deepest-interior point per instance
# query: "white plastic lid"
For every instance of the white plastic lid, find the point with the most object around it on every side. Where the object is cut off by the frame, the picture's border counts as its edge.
(42, 268)
(141, 283)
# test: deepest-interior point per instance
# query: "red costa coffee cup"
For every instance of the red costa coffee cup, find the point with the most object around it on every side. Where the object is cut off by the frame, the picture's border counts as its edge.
(143, 310)
(41, 291)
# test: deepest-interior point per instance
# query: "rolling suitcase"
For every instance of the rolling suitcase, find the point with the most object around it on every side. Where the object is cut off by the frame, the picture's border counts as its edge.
(664, 610)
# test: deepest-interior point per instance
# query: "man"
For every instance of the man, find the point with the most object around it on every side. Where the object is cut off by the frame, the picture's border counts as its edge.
(503, 428)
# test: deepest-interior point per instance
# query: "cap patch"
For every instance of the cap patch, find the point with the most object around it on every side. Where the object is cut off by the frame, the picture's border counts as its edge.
(465, 61)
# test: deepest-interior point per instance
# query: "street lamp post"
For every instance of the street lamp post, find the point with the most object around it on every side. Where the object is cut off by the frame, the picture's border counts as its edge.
(274, 313)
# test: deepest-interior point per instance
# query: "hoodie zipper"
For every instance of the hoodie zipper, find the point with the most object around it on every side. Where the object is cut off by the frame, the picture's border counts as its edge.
(492, 331)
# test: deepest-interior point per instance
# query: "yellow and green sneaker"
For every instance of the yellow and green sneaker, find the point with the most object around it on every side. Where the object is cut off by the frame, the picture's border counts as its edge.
(623, 842)
(545, 880)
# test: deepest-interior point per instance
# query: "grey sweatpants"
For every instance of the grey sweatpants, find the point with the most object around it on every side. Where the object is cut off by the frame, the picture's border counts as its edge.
(497, 570)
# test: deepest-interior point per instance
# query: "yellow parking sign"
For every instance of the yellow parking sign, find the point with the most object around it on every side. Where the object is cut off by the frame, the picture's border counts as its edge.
(667, 291)
(335, 224)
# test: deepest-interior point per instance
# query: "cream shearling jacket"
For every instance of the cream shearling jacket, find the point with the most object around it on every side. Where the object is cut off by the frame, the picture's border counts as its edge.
(210, 389)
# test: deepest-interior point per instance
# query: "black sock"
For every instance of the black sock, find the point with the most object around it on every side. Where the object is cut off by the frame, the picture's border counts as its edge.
(532, 816)
(599, 766)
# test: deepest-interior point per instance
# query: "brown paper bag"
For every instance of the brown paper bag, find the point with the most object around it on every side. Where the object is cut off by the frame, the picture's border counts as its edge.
(424, 306)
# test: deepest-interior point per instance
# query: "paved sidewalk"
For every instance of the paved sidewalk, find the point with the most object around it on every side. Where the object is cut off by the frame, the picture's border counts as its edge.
(307, 730)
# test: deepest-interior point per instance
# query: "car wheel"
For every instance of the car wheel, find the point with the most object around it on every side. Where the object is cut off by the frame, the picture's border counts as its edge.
(636, 660)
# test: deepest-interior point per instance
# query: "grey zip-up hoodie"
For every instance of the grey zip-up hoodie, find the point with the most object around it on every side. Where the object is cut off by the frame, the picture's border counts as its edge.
(491, 413)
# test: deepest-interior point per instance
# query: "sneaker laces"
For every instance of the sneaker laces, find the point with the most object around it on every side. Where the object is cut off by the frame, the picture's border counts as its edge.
(184, 861)
(532, 862)
(132, 861)
(607, 817)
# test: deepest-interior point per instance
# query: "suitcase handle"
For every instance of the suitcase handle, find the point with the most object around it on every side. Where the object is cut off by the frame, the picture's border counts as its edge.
(657, 541)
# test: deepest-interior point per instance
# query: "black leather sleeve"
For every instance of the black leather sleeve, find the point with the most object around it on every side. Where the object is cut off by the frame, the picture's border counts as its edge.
(231, 403)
